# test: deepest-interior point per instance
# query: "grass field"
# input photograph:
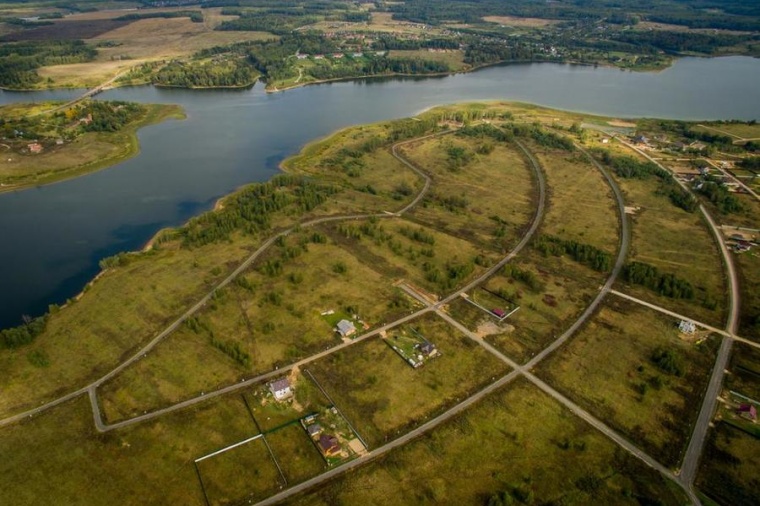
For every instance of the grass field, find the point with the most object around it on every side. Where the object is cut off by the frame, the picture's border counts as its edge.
(580, 206)
(243, 473)
(748, 265)
(563, 290)
(489, 201)
(277, 321)
(609, 369)
(498, 446)
(736, 130)
(728, 472)
(297, 455)
(88, 153)
(383, 397)
(59, 455)
(745, 371)
(675, 242)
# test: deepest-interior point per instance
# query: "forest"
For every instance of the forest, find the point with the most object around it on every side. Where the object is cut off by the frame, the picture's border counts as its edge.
(230, 72)
(19, 60)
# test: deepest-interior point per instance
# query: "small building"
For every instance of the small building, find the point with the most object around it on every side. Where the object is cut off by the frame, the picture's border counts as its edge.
(498, 312)
(687, 327)
(605, 140)
(337, 56)
(302, 56)
(281, 389)
(35, 147)
(748, 411)
(328, 445)
(428, 348)
(314, 430)
(345, 328)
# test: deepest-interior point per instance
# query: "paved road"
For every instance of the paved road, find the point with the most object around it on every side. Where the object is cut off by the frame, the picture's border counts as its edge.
(694, 450)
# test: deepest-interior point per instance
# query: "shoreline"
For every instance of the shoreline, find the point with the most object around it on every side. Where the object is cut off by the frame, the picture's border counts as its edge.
(157, 113)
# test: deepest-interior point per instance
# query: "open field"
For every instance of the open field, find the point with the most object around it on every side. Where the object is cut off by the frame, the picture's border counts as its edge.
(517, 441)
(561, 289)
(488, 201)
(401, 249)
(87, 153)
(58, 454)
(614, 368)
(728, 473)
(676, 242)
(383, 397)
(744, 368)
(275, 322)
(296, 453)
(581, 206)
(748, 265)
(246, 472)
(737, 130)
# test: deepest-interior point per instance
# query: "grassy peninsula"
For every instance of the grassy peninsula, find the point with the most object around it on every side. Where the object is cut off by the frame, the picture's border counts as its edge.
(41, 147)
(413, 283)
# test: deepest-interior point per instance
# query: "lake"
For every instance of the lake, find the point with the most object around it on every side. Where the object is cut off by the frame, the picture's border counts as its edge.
(53, 236)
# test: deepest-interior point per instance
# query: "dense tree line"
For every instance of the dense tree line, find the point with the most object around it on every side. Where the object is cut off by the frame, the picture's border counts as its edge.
(750, 163)
(250, 210)
(667, 285)
(19, 60)
(16, 337)
(110, 116)
(677, 42)
(195, 16)
(389, 42)
(234, 72)
(485, 52)
(583, 253)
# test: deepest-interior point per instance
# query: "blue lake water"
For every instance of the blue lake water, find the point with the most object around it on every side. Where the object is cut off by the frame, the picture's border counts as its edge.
(52, 237)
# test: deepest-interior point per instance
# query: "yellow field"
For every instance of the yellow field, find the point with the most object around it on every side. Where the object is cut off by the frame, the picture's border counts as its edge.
(520, 22)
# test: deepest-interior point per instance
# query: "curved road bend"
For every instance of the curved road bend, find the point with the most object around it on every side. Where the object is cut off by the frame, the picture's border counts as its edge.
(243, 266)
(623, 247)
(694, 450)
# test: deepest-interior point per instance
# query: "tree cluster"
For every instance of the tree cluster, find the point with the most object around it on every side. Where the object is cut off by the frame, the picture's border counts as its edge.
(666, 284)
(586, 254)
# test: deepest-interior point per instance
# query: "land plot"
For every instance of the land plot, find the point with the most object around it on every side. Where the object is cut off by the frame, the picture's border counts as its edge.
(630, 367)
(271, 414)
(246, 472)
(748, 264)
(520, 22)
(551, 291)
(269, 318)
(581, 206)
(728, 470)
(296, 453)
(430, 259)
(675, 242)
(413, 347)
(333, 436)
(745, 371)
(736, 130)
(489, 201)
(356, 160)
(67, 30)
(124, 308)
(517, 442)
(383, 397)
(59, 453)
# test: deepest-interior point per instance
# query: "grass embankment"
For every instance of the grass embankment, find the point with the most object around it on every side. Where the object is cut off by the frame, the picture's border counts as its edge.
(629, 367)
(676, 242)
(88, 153)
(517, 441)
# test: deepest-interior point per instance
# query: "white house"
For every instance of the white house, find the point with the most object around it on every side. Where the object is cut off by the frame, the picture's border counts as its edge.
(280, 388)
(687, 327)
